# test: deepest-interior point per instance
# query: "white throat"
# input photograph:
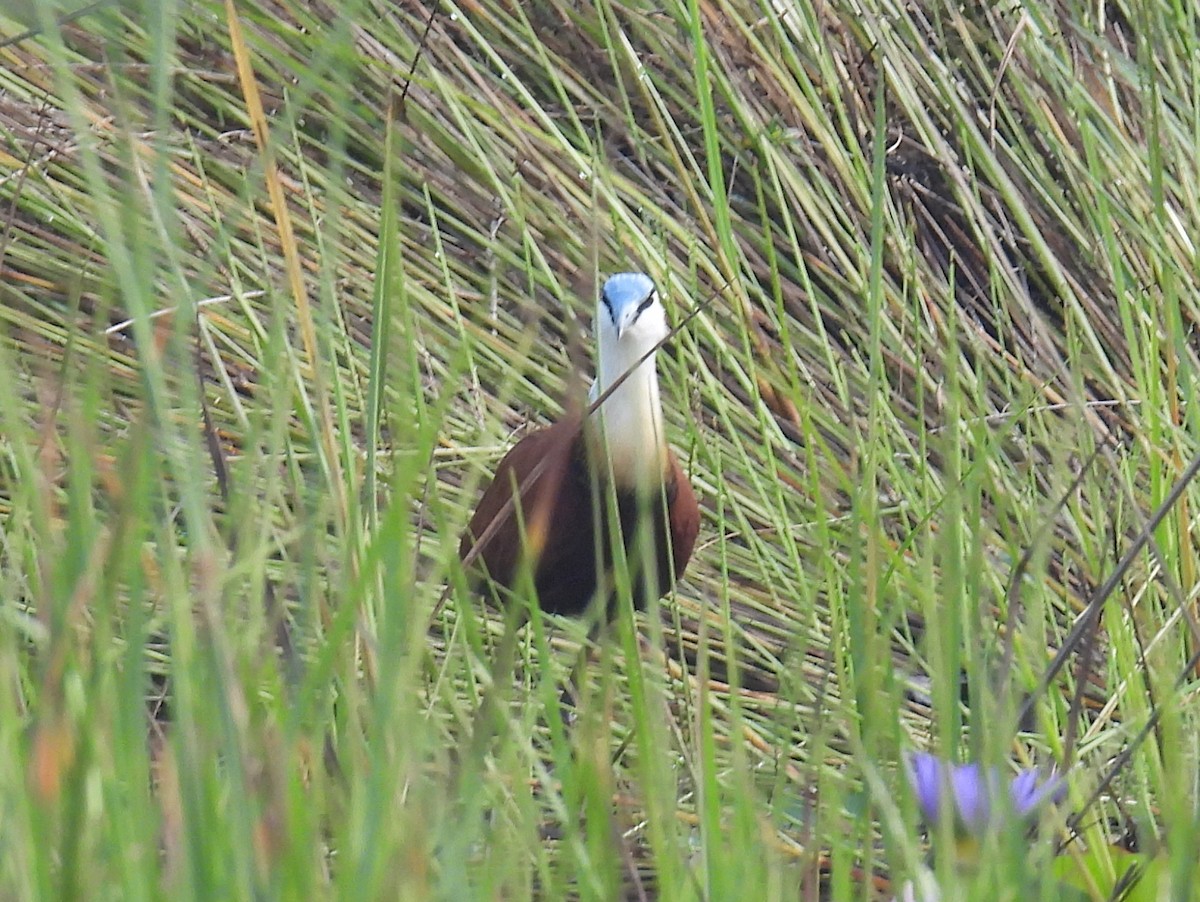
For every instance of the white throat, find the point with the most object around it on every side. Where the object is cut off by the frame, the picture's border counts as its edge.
(631, 419)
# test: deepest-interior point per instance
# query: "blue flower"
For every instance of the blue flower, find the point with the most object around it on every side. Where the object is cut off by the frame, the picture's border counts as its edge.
(974, 790)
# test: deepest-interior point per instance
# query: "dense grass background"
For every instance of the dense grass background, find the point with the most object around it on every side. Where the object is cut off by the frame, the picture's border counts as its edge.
(281, 281)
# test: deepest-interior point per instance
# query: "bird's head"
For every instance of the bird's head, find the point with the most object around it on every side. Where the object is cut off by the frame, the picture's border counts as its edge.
(630, 313)
(630, 322)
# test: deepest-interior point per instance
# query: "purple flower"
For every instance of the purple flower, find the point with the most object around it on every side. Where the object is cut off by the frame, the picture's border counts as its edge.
(974, 789)
(1030, 788)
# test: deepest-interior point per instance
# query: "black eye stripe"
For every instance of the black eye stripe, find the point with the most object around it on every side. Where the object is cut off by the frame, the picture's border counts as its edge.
(646, 303)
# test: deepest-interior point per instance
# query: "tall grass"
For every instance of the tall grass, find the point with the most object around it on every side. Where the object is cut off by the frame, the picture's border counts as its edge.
(280, 282)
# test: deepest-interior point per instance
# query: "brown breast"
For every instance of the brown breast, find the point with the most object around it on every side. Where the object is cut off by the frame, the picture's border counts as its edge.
(549, 469)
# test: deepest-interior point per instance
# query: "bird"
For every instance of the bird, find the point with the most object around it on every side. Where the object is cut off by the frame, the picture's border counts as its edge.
(546, 507)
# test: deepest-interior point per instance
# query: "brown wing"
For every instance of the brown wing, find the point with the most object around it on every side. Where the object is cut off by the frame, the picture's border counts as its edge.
(547, 472)
(535, 471)
(683, 515)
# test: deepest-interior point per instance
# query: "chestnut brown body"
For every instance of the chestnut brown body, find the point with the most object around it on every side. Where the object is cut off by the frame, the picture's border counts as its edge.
(559, 522)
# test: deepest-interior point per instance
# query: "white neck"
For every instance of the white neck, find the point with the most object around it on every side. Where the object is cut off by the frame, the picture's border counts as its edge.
(631, 419)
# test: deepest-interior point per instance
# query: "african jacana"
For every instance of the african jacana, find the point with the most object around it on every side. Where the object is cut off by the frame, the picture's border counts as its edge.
(546, 507)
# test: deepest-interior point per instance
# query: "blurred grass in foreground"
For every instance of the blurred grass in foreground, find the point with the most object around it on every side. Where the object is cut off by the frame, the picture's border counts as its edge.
(273, 308)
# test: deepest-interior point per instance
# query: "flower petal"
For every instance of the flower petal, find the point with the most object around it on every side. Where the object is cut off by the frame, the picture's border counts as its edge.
(973, 796)
(1029, 790)
(926, 775)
